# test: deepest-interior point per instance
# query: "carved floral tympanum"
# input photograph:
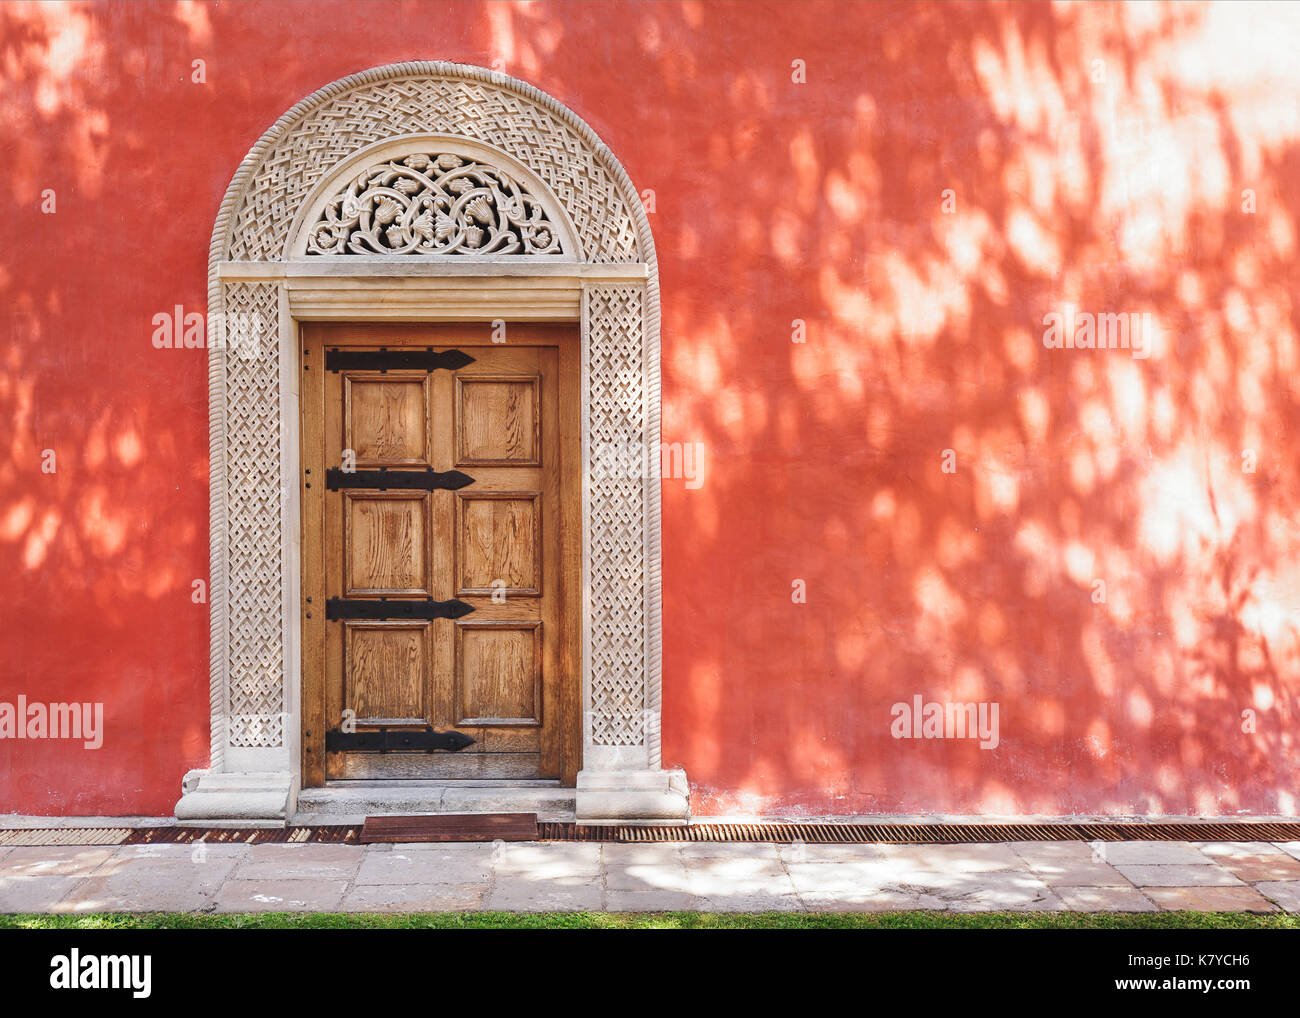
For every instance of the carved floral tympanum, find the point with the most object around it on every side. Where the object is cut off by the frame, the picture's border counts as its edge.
(434, 203)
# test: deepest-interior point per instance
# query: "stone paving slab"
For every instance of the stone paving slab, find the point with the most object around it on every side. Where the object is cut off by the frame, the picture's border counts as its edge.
(1001, 890)
(1252, 861)
(1007, 901)
(1286, 893)
(1178, 875)
(1150, 853)
(310, 895)
(301, 862)
(851, 875)
(180, 852)
(893, 900)
(718, 878)
(34, 894)
(1220, 850)
(725, 850)
(542, 861)
(749, 901)
(544, 896)
(417, 898)
(435, 868)
(1104, 899)
(37, 861)
(1210, 899)
(564, 876)
(957, 858)
(1058, 853)
(670, 877)
(617, 900)
(1081, 875)
(157, 894)
(800, 852)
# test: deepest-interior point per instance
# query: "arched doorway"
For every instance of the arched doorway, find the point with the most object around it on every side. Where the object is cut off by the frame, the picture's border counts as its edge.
(288, 248)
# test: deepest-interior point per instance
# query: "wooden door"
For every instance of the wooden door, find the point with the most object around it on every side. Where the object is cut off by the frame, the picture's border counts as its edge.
(441, 552)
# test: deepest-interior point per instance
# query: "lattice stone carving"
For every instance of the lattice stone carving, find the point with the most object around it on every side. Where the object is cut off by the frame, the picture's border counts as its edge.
(255, 659)
(615, 324)
(498, 115)
(434, 203)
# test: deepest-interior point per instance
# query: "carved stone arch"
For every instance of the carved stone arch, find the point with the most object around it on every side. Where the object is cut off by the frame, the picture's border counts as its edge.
(263, 280)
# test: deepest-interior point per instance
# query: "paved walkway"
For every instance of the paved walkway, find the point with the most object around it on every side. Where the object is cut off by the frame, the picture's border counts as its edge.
(1030, 876)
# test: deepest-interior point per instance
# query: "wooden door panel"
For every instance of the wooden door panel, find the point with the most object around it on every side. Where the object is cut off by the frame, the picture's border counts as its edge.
(498, 673)
(499, 546)
(385, 668)
(507, 544)
(386, 543)
(385, 419)
(498, 420)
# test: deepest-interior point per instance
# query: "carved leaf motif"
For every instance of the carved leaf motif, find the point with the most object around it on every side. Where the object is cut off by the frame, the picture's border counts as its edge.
(479, 209)
(423, 225)
(386, 210)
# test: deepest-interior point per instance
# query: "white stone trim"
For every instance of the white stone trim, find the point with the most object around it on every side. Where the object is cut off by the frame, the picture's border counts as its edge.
(262, 284)
(361, 267)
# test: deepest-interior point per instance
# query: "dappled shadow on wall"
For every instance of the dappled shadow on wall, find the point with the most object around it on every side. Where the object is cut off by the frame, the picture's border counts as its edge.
(1113, 557)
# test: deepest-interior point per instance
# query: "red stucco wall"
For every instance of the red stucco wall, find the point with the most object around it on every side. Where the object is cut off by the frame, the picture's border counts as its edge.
(1096, 156)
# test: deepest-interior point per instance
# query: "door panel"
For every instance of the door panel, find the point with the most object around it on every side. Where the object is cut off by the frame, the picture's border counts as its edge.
(498, 673)
(506, 672)
(385, 541)
(386, 421)
(500, 543)
(386, 664)
(497, 421)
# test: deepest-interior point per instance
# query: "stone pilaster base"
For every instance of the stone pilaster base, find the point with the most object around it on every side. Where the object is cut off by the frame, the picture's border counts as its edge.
(650, 796)
(253, 799)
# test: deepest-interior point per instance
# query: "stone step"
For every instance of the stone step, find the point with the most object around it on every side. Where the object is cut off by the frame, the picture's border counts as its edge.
(352, 802)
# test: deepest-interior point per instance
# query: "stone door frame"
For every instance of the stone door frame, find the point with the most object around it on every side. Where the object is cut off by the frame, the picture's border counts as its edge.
(262, 284)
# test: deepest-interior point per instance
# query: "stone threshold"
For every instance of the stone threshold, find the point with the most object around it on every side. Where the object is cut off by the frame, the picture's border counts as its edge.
(351, 802)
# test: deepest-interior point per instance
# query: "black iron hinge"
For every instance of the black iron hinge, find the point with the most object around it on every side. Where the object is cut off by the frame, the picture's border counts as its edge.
(389, 740)
(337, 608)
(403, 359)
(383, 479)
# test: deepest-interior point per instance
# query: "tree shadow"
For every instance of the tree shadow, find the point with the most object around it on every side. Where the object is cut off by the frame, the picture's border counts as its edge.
(946, 176)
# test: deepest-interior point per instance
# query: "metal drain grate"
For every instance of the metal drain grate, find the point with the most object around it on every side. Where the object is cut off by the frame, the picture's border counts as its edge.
(20, 838)
(778, 833)
(922, 834)
(90, 836)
